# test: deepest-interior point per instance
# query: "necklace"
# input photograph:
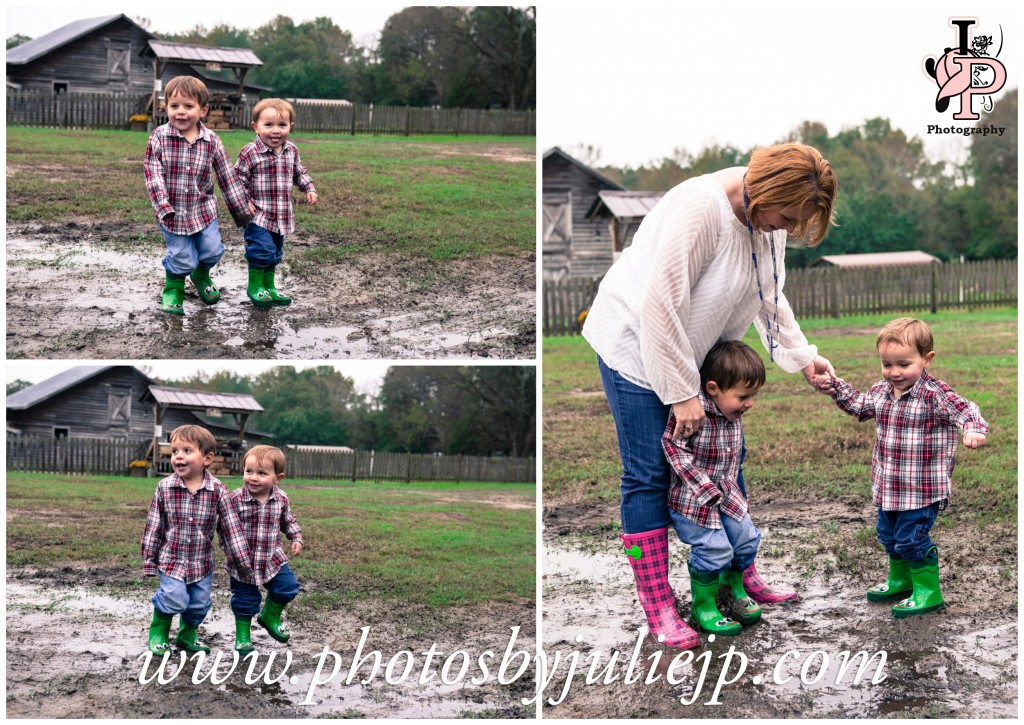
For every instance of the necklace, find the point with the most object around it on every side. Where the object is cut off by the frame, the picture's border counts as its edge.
(771, 335)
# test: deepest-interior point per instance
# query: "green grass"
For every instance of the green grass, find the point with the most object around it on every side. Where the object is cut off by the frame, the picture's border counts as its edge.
(425, 544)
(799, 443)
(432, 197)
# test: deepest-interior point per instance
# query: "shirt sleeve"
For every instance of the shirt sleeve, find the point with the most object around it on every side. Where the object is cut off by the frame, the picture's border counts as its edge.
(852, 401)
(301, 177)
(153, 167)
(956, 410)
(793, 353)
(243, 169)
(681, 460)
(687, 242)
(232, 536)
(290, 527)
(153, 536)
(235, 194)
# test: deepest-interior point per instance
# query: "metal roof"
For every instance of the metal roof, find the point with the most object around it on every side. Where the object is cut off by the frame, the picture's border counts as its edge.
(38, 47)
(626, 204)
(184, 53)
(201, 400)
(46, 389)
(880, 259)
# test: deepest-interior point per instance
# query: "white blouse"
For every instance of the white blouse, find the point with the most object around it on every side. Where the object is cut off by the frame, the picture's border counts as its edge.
(686, 282)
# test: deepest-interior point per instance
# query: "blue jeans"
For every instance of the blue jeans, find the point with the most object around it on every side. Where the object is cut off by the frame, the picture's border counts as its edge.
(712, 551)
(640, 420)
(191, 601)
(246, 598)
(263, 248)
(187, 252)
(905, 533)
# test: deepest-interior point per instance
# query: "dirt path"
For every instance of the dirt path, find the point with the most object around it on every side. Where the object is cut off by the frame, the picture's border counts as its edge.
(73, 651)
(61, 303)
(960, 662)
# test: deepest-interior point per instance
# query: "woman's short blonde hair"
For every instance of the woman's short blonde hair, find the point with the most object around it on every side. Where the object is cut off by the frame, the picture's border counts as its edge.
(793, 174)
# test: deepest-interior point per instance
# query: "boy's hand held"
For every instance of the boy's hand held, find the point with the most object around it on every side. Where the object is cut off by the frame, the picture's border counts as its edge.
(974, 440)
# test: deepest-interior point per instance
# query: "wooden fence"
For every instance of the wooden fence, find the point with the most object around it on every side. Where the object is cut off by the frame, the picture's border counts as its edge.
(837, 292)
(111, 111)
(44, 454)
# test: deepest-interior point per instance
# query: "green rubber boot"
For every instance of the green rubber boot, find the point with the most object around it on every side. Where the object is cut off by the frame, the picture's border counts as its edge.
(173, 296)
(270, 619)
(207, 290)
(160, 633)
(188, 639)
(243, 634)
(926, 596)
(745, 609)
(258, 294)
(704, 589)
(899, 584)
(268, 284)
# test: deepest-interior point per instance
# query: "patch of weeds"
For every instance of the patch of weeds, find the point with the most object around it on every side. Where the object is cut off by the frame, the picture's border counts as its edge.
(349, 714)
(65, 259)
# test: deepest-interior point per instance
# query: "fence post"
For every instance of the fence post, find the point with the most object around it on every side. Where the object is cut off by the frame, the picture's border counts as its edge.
(935, 287)
(835, 292)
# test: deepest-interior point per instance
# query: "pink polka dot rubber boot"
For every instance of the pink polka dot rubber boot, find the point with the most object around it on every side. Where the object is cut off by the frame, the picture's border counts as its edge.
(761, 592)
(648, 556)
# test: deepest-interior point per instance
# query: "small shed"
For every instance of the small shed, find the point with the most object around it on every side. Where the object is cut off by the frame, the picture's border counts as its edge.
(879, 259)
(623, 211)
(574, 244)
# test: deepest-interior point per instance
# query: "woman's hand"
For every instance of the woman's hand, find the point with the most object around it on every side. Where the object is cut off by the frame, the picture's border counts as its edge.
(819, 375)
(689, 417)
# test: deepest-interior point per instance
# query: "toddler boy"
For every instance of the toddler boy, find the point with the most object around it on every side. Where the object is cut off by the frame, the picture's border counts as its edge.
(264, 513)
(707, 506)
(268, 167)
(179, 158)
(177, 540)
(916, 419)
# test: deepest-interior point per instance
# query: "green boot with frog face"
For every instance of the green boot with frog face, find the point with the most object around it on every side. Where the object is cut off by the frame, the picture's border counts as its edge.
(207, 290)
(745, 609)
(271, 287)
(704, 589)
(173, 296)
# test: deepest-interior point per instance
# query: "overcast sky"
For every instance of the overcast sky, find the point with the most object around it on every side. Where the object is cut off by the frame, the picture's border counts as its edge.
(639, 79)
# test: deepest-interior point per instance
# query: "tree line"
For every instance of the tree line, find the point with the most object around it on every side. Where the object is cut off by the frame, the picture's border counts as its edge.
(891, 196)
(453, 57)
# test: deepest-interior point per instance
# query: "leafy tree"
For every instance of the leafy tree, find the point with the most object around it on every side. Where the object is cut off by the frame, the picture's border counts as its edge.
(994, 165)
(17, 39)
(15, 385)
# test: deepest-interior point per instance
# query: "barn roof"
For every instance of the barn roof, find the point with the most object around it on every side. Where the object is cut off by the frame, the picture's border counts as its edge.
(38, 47)
(880, 259)
(556, 151)
(201, 399)
(200, 54)
(46, 389)
(625, 204)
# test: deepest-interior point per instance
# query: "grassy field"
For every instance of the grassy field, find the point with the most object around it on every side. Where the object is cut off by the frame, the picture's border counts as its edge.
(425, 544)
(432, 197)
(800, 444)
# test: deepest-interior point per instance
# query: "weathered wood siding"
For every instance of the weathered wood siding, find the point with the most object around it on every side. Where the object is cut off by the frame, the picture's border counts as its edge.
(590, 253)
(82, 63)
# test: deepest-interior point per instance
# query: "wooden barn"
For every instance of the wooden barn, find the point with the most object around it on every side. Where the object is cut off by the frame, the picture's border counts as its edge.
(574, 244)
(622, 212)
(114, 54)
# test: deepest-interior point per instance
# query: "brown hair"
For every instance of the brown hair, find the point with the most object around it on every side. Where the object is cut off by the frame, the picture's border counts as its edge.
(189, 87)
(793, 174)
(195, 434)
(278, 104)
(730, 363)
(264, 454)
(907, 331)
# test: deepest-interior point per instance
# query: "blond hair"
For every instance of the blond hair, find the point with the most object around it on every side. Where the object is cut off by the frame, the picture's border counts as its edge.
(278, 104)
(267, 454)
(202, 438)
(907, 331)
(188, 87)
(793, 174)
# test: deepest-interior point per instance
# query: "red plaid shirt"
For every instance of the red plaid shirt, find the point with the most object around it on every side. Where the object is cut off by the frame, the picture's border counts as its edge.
(915, 449)
(268, 177)
(262, 525)
(705, 467)
(178, 538)
(179, 181)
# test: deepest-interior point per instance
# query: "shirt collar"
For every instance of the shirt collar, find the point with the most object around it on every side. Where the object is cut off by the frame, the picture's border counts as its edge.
(709, 405)
(915, 389)
(199, 124)
(246, 496)
(264, 149)
(207, 480)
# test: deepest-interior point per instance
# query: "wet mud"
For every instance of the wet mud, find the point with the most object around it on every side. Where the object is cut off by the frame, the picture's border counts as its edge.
(73, 651)
(94, 299)
(960, 662)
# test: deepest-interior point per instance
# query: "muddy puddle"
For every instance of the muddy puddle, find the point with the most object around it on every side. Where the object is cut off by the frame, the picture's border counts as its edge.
(959, 663)
(87, 299)
(74, 651)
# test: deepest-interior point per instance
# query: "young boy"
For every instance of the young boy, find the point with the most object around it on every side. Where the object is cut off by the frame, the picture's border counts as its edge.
(916, 418)
(176, 542)
(264, 512)
(179, 158)
(267, 168)
(708, 509)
